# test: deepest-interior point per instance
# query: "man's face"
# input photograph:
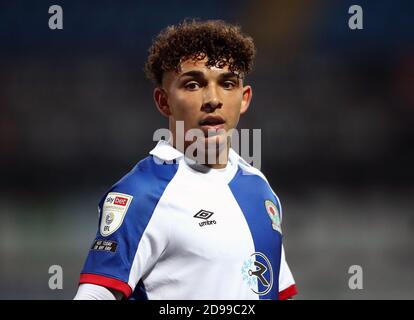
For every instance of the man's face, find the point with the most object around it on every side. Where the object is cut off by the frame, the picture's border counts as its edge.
(205, 98)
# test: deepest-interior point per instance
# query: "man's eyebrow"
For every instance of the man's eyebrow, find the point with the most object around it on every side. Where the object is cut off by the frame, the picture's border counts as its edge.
(228, 75)
(199, 74)
(193, 73)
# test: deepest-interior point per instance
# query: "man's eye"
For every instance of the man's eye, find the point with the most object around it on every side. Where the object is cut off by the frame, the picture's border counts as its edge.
(192, 86)
(229, 85)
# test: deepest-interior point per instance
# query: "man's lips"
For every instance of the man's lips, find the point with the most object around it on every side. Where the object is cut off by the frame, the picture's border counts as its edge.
(212, 122)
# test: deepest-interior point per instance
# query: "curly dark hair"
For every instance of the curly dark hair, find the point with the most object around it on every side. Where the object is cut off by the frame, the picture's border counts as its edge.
(222, 44)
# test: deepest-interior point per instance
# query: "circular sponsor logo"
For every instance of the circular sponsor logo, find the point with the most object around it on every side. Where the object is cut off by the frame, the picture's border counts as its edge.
(274, 215)
(109, 218)
(258, 273)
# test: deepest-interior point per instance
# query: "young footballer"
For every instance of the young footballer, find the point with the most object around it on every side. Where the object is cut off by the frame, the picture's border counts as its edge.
(193, 220)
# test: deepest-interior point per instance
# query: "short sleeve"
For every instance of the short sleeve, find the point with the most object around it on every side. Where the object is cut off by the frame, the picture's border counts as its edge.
(287, 286)
(131, 235)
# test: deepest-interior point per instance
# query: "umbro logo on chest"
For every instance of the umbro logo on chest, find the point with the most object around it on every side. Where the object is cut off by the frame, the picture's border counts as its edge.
(205, 215)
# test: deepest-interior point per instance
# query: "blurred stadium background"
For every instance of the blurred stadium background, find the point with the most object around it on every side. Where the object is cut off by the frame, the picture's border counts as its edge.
(336, 109)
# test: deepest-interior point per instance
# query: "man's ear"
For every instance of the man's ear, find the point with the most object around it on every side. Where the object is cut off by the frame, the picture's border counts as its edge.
(247, 97)
(161, 101)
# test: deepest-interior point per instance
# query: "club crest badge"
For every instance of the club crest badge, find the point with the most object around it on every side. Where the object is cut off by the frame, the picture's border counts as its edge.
(274, 215)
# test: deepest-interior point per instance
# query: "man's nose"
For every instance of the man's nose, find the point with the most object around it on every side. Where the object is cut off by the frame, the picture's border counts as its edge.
(211, 100)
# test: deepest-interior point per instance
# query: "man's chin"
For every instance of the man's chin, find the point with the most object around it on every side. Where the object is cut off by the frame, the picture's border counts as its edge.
(216, 141)
(208, 150)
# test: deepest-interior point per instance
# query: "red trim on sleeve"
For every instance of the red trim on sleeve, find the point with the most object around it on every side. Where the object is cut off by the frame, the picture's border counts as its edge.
(288, 292)
(106, 282)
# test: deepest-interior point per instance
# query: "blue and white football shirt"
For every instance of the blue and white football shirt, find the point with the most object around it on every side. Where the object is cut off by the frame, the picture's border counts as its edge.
(169, 230)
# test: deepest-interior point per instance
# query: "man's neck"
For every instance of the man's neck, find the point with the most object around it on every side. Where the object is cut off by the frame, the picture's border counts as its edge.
(218, 158)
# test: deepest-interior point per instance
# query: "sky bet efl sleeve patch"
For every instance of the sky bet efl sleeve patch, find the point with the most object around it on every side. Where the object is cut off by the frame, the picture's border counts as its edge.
(114, 209)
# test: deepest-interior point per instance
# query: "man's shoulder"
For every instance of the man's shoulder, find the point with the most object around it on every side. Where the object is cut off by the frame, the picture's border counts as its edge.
(247, 169)
(133, 199)
(145, 177)
(252, 177)
(255, 179)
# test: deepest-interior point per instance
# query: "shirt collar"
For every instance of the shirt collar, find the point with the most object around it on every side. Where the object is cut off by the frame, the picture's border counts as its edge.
(166, 152)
